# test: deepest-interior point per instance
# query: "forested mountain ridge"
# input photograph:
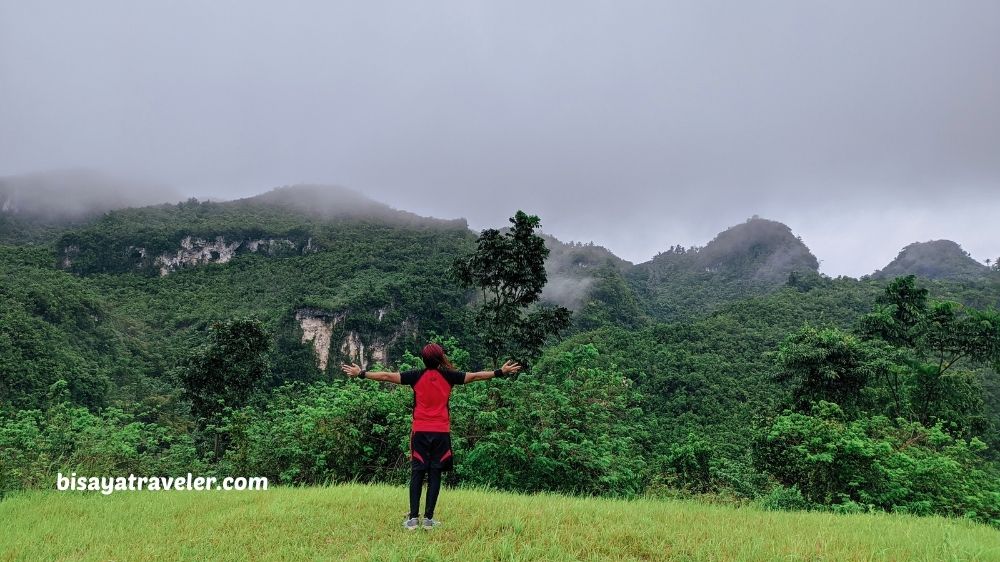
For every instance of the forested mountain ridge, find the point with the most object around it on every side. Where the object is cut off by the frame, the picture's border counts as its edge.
(35, 208)
(936, 259)
(745, 260)
(691, 366)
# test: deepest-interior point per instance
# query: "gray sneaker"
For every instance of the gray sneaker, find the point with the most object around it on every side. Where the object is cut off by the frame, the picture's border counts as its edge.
(430, 523)
(411, 524)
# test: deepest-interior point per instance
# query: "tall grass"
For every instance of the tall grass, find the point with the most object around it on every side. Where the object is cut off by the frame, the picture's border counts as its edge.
(360, 522)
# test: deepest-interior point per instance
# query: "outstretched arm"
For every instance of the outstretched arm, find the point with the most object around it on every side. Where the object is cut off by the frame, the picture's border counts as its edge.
(508, 368)
(353, 370)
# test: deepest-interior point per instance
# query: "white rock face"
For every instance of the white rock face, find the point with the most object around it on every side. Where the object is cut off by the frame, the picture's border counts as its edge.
(380, 352)
(354, 349)
(68, 252)
(317, 327)
(195, 251)
(270, 245)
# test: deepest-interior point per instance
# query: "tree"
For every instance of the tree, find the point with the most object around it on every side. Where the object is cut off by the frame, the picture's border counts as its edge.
(835, 366)
(575, 428)
(227, 371)
(508, 268)
(875, 463)
(941, 340)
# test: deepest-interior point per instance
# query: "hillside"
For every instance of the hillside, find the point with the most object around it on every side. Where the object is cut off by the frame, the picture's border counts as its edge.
(937, 259)
(745, 260)
(333, 274)
(573, 269)
(288, 221)
(678, 373)
(34, 208)
(357, 522)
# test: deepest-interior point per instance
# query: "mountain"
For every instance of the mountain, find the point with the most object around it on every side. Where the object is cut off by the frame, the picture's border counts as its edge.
(758, 250)
(936, 259)
(291, 220)
(326, 202)
(748, 259)
(35, 207)
(572, 269)
(668, 357)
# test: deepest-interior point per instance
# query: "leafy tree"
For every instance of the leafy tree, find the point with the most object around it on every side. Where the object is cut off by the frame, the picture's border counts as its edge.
(324, 433)
(835, 366)
(508, 268)
(942, 340)
(227, 371)
(873, 463)
(573, 427)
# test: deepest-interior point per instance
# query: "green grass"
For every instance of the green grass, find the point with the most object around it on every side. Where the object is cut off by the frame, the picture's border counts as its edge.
(358, 522)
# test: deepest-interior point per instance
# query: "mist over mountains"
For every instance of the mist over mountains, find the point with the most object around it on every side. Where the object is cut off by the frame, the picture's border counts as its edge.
(77, 193)
(759, 252)
(936, 259)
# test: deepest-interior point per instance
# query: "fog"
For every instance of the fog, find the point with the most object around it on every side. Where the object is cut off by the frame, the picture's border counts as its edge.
(638, 125)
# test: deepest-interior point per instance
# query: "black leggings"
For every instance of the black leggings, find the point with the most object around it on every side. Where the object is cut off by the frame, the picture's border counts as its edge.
(433, 488)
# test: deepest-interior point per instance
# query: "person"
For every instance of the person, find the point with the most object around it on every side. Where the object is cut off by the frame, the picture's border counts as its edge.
(430, 436)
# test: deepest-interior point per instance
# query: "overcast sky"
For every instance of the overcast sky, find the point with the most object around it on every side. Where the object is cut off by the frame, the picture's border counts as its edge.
(862, 125)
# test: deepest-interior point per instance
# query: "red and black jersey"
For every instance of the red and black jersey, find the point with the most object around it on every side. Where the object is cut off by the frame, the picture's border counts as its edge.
(431, 391)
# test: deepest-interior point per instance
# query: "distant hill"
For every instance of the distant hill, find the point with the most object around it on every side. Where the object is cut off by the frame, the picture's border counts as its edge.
(758, 250)
(937, 259)
(572, 268)
(292, 220)
(70, 194)
(748, 259)
(333, 201)
(33, 207)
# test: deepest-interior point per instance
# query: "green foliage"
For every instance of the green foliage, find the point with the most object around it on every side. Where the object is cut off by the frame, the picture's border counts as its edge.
(832, 365)
(56, 327)
(942, 342)
(509, 270)
(328, 432)
(610, 302)
(36, 445)
(688, 465)
(874, 463)
(571, 426)
(783, 498)
(229, 369)
(675, 379)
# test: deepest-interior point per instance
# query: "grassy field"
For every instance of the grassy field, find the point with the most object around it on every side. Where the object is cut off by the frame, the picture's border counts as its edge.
(358, 522)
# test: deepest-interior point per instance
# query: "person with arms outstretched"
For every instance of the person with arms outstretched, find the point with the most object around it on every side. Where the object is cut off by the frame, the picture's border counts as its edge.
(430, 437)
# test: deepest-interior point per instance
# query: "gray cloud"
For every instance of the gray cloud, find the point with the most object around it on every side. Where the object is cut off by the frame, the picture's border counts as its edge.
(864, 126)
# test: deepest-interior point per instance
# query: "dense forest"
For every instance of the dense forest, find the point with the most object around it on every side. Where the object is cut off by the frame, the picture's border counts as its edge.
(206, 337)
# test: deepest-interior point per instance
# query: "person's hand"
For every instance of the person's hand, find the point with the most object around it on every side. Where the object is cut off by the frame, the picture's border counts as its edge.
(351, 370)
(510, 367)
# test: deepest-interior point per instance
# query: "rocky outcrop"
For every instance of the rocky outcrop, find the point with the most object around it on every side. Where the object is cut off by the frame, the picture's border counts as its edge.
(364, 348)
(317, 327)
(69, 254)
(354, 349)
(197, 251)
(378, 349)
